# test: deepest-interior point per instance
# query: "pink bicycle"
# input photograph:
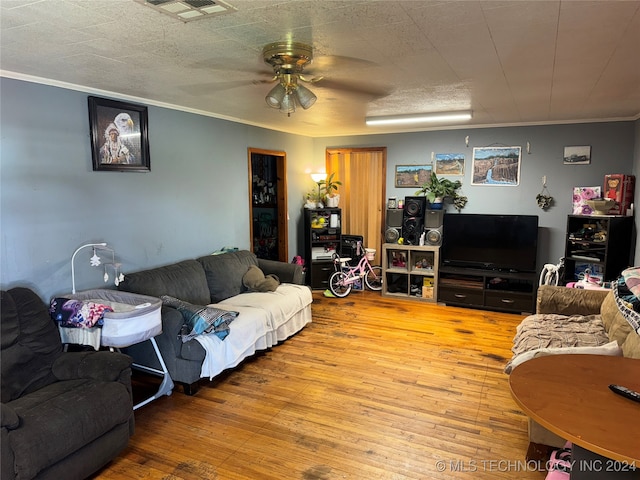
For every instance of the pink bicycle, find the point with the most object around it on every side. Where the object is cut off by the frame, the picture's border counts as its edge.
(341, 282)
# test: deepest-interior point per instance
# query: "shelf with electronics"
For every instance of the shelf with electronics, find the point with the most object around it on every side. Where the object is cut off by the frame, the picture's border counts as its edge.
(599, 245)
(322, 237)
(410, 271)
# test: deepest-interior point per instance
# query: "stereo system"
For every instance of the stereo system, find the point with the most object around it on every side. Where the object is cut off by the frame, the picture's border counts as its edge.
(393, 228)
(411, 221)
(433, 227)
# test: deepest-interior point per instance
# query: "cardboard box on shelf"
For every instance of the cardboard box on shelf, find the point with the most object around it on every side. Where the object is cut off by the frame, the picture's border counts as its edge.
(619, 187)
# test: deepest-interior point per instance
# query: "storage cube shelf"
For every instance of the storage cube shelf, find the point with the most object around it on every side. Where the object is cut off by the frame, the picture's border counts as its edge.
(410, 271)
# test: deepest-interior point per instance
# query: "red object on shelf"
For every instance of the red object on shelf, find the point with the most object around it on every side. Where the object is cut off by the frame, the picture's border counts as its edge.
(619, 187)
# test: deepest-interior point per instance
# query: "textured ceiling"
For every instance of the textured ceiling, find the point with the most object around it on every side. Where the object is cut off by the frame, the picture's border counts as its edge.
(511, 62)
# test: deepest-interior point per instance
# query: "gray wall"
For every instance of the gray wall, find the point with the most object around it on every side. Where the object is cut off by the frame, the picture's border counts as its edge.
(193, 202)
(195, 199)
(612, 152)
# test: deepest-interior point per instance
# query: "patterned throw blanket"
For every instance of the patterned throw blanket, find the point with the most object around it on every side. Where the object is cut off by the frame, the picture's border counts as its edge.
(626, 291)
(543, 331)
(78, 314)
(200, 319)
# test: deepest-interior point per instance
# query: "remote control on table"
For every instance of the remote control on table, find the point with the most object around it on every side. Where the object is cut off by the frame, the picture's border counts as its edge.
(625, 392)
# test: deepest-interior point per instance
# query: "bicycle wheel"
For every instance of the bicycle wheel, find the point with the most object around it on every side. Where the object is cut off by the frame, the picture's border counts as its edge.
(373, 278)
(337, 285)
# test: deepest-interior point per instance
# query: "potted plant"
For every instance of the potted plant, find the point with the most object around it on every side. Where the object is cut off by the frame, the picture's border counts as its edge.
(330, 186)
(437, 189)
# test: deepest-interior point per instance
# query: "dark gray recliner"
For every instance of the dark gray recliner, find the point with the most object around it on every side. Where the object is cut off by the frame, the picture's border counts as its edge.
(64, 414)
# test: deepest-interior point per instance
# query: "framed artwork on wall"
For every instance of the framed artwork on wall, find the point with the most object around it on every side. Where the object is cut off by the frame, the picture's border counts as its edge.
(577, 155)
(412, 176)
(119, 136)
(498, 166)
(449, 163)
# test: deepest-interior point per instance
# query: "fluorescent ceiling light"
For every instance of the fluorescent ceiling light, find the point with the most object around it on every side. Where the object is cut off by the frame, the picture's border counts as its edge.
(419, 118)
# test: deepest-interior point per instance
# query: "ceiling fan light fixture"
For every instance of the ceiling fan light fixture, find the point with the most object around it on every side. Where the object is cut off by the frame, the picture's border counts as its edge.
(276, 95)
(305, 97)
(288, 104)
(436, 117)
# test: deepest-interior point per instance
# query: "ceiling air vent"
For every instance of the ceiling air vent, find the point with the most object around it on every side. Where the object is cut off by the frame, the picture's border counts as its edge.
(189, 10)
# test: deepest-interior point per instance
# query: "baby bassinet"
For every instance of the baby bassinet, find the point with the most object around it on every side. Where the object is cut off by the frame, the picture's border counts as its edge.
(135, 318)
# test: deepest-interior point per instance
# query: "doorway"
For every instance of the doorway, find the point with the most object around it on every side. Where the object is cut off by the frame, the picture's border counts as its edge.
(363, 173)
(268, 204)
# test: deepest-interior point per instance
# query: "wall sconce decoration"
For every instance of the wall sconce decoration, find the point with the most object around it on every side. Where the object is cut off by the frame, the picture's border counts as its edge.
(544, 198)
(96, 261)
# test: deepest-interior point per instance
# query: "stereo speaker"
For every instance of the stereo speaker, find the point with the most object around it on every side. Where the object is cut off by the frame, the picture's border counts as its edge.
(413, 219)
(433, 227)
(393, 227)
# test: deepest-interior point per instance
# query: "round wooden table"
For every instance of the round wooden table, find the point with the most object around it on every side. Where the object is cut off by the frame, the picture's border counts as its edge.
(570, 396)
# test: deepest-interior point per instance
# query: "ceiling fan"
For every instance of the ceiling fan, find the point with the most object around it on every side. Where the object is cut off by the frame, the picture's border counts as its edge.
(288, 60)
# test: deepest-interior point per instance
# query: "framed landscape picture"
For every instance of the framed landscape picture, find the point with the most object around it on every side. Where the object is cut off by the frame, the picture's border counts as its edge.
(449, 163)
(498, 166)
(412, 176)
(119, 136)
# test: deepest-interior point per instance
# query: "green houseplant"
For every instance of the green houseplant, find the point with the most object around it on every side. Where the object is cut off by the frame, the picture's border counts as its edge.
(437, 189)
(330, 187)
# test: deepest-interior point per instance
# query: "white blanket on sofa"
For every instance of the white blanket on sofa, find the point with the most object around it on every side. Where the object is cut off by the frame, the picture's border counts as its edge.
(265, 319)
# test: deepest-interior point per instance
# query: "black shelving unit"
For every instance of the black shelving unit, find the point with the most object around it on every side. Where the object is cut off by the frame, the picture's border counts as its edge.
(601, 243)
(322, 237)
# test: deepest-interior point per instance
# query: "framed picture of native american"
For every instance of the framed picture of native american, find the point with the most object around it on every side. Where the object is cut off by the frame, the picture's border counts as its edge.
(119, 136)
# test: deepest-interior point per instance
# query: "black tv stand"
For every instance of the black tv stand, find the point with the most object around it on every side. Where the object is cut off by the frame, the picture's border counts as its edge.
(501, 290)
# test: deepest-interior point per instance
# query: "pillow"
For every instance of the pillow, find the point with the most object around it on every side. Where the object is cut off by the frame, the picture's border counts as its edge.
(200, 319)
(611, 349)
(632, 279)
(255, 280)
(628, 303)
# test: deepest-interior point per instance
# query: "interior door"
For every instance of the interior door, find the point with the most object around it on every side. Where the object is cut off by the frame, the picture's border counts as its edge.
(362, 172)
(268, 204)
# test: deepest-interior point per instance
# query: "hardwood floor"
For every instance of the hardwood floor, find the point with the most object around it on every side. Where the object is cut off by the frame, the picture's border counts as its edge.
(374, 388)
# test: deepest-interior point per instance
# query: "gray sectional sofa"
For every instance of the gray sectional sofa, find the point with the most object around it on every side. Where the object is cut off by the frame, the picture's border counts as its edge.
(265, 318)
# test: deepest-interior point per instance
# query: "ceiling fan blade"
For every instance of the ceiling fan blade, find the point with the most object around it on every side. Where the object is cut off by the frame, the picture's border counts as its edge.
(341, 62)
(377, 91)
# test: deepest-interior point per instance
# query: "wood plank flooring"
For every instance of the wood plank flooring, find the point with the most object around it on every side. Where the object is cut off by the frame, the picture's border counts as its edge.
(374, 388)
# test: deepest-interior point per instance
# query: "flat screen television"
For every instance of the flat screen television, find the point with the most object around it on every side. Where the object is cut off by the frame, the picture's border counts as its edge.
(495, 242)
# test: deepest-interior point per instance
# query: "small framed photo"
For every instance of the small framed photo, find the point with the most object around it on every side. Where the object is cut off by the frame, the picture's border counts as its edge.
(392, 202)
(119, 136)
(577, 155)
(412, 176)
(449, 163)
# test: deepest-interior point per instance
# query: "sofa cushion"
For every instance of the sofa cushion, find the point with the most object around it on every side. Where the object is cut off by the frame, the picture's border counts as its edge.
(184, 280)
(280, 305)
(615, 324)
(631, 346)
(30, 343)
(224, 273)
(61, 418)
